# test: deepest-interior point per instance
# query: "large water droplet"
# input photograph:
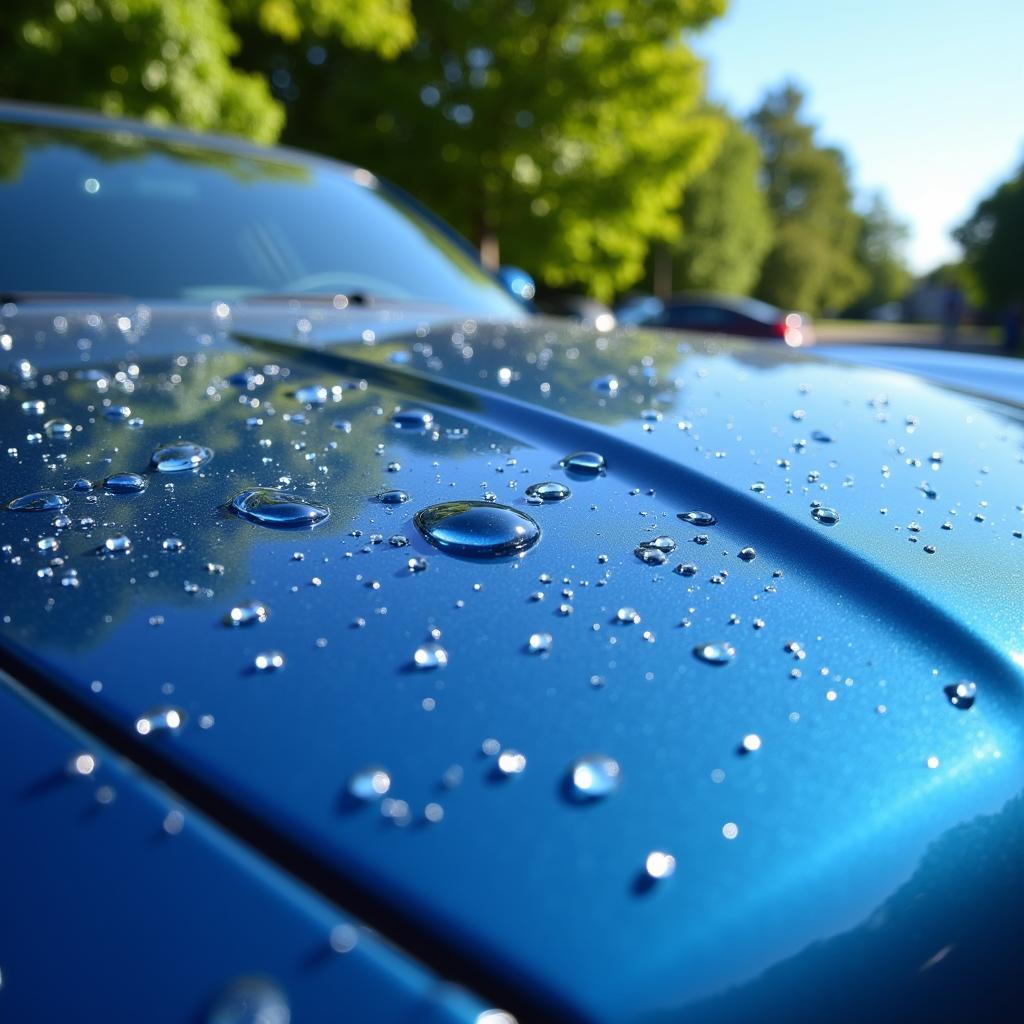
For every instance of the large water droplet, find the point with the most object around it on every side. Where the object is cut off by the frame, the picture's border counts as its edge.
(277, 509)
(38, 501)
(251, 1001)
(369, 783)
(511, 762)
(413, 419)
(117, 545)
(825, 516)
(124, 483)
(60, 429)
(594, 776)
(697, 518)
(479, 529)
(430, 655)
(550, 490)
(715, 654)
(247, 614)
(584, 463)
(659, 865)
(961, 695)
(394, 497)
(540, 643)
(180, 457)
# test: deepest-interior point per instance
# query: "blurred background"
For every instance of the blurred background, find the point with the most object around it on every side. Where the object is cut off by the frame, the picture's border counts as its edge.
(861, 163)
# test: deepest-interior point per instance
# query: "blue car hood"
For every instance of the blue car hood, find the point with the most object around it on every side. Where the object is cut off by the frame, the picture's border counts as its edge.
(784, 715)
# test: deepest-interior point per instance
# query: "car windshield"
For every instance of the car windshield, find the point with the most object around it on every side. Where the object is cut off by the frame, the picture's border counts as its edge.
(122, 214)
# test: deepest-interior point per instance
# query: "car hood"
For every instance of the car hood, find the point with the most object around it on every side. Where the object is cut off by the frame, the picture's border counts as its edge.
(819, 783)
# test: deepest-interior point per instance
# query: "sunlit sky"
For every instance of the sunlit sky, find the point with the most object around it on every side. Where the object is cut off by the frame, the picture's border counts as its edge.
(925, 96)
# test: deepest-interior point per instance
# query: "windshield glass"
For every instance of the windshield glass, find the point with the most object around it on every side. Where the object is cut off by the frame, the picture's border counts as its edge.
(117, 213)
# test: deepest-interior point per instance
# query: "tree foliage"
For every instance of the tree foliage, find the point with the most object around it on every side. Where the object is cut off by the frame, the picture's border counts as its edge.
(726, 223)
(813, 263)
(880, 251)
(565, 129)
(993, 243)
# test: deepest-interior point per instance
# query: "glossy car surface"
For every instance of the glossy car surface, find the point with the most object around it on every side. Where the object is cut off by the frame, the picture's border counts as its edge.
(719, 314)
(420, 739)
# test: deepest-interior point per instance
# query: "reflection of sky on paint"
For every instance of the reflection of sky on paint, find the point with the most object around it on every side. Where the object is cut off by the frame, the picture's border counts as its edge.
(922, 95)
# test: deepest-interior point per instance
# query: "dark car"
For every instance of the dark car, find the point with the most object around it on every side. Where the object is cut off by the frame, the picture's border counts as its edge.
(373, 650)
(718, 314)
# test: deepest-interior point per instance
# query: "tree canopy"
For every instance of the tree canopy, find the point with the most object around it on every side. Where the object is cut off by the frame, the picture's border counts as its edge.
(993, 243)
(565, 129)
(880, 251)
(813, 262)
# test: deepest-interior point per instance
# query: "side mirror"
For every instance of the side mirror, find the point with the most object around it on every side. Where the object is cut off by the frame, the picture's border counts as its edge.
(518, 283)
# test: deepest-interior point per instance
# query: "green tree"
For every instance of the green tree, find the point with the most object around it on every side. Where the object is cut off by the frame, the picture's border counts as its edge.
(993, 243)
(170, 61)
(565, 129)
(813, 263)
(726, 223)
(880, 251)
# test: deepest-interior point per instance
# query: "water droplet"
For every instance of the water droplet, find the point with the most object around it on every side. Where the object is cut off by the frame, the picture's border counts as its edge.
(431, 655)
(167, 719)
(750, 743)
(479, 529)
(650, 556)
(392, 497)
(697, 518)
(58, 428)
(117, 545)
(247, 614)
(38, 501)
(715, 654)
(686, 569)
(550, 490)
(370, 783)
(251, 1001)
(268, 661)
(124, 483)
(511, 762)
(82, 764)
(961, 695)
(412, 419)
(117, 412)
(822, 437)
(630, 616)
(584, 463)
(539, 643)
(180, 457)
(825, 516)
(748, 554)
(277, 509)
(594, 776)
(173, 544)
(608, 384)
(33, 407)
(659, 865)
(312, 394)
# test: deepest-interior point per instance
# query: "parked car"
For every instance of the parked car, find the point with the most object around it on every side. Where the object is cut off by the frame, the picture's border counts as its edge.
(580, 308)
(719, 314)
(372, 649)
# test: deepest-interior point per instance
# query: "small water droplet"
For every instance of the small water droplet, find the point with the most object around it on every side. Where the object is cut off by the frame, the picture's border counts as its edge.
(659, 865)
(247, 614)
(715, 654)
(166, 719)
(584, 463)
(117, 412)
(549, 490)
(539, 643)
(312, 394)
(686, 569)
(117, 545)
(748, 554)
(277, 509)
(412, 419)
(82, 764)
(180, 457)
(511, 762)
(60, 429)
(268, 661)
(628, 615)
(961, 695)
(416, 564)
(250, 1001)
(750, 743)
(478, 529)
(370, 783)
(124, 483)
(825, 516)
(429, 656)
(822, 437)
(38, 501)
(394, 497)
(609, 384)
(697, 518)
(174, 545)
(594, 776)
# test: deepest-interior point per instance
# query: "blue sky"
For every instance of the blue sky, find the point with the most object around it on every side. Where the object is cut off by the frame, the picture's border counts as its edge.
(925, 96)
